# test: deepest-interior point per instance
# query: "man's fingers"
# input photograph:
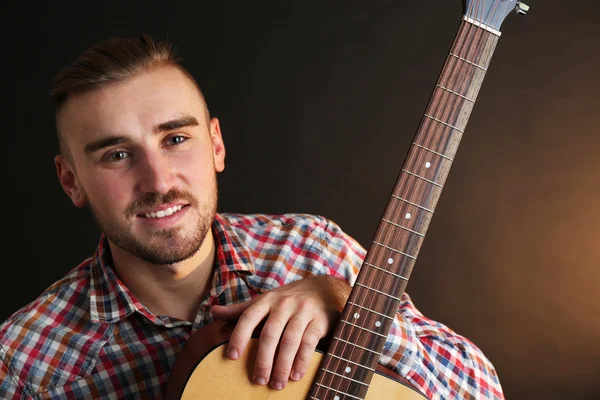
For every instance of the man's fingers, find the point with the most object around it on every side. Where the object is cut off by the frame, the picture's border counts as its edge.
(229, 313)
(269, 339)
(288, 347)
(313, 333)
(246, 324)
(302, 309)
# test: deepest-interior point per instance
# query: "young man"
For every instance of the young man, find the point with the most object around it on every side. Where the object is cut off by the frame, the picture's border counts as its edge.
(139, 148)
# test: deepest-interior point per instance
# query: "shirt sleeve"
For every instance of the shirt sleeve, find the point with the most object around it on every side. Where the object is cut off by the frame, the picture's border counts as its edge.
(9, 389)
(436, 360)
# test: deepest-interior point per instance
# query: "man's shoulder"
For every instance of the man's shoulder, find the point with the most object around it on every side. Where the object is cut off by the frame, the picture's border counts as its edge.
(278, 232)
(58, 295)
(305, 230)
(34, 339)
(287, 247)
(275, 221)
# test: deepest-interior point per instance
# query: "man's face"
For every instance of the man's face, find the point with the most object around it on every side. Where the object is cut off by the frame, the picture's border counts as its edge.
(145, 160)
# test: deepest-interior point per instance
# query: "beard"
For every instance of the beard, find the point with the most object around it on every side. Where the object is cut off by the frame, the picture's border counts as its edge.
(169, 245)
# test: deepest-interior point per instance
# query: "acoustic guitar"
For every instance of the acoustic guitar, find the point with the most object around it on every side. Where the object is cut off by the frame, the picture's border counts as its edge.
(349, 368)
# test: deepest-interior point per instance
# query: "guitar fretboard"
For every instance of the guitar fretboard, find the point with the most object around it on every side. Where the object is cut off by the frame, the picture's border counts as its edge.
(360, 335)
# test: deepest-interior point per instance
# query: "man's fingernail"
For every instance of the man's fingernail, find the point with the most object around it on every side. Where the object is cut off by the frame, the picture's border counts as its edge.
(259, 380)
(277, 385)
(296, 376)
(233, 354)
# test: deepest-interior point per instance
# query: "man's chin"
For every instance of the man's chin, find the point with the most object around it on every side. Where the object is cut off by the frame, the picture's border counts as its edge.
(165, 255)
(166, 247)
(168, 260)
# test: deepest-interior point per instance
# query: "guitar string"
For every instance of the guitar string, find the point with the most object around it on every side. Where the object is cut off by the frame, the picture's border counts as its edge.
(436, 99)
(439, 97)
(376, 262)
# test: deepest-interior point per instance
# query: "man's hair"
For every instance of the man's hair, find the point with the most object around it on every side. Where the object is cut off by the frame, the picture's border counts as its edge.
(110, 62)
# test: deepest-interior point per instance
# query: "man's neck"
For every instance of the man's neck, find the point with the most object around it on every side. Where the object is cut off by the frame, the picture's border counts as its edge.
(174, 290)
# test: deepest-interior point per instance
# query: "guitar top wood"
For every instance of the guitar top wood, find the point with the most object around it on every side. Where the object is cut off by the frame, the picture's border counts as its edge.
(218, 377)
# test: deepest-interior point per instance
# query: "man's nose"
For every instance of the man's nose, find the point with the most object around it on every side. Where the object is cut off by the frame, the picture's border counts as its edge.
(155, 173)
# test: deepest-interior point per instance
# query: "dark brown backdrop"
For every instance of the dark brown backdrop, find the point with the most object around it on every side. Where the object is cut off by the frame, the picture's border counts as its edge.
(318, 104)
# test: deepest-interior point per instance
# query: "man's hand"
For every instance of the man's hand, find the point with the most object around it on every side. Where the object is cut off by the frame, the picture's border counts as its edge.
(298, 316)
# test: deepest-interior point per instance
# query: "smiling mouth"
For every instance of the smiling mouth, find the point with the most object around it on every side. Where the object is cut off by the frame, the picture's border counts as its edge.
(163, 213)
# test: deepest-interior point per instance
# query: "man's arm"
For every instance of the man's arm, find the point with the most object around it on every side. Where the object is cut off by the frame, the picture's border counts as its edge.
(441, 363)
(432, 357)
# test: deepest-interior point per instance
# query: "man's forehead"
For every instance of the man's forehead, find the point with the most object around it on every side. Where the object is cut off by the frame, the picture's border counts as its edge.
(131, 107)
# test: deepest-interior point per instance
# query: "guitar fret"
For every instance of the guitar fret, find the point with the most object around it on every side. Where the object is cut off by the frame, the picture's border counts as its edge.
(468, 62)
(377, 291)
(385, 270)
(351, 362)
(455, 93)
(364, 329)
(412, 204)
(355, 345)
(433, 151)
(337, 391)
(344, 377)
(394, 250)
(403, 227)
(482, 26)
(444, 123)
(425, 179)
(368, 309)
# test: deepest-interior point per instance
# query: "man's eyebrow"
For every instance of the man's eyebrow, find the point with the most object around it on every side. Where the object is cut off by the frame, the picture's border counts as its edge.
(173, 124)
(101, 143)
(177, 123)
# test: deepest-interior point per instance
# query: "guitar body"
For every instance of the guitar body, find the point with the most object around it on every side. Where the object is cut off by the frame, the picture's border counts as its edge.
(203, 371)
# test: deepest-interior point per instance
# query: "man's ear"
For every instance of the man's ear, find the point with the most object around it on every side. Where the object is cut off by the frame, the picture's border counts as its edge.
(69, 181)
(218, 145)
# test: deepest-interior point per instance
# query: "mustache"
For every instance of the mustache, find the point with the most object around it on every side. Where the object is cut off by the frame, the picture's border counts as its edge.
(152, 200)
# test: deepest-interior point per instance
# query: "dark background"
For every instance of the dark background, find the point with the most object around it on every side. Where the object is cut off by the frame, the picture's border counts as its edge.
(318, 103)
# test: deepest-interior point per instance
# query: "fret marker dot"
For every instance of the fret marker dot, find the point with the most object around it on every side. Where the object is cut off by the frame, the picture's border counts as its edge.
(408, 215)
(336, 398)
(390, 260)
(378, 324)
(356, 315)
(427, 164)
(348, 369)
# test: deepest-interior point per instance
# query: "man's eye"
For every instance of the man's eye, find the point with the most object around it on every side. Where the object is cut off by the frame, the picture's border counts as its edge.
(117, 156)
(176, 139)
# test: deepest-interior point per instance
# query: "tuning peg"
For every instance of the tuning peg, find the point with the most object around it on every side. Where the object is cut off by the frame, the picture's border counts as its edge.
(522, 8)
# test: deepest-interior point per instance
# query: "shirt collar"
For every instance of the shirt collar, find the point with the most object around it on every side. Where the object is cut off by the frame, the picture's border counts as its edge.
(232, 251)
(111, 301)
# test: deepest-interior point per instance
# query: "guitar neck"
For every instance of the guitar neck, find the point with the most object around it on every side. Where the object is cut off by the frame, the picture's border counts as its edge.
(366, 320)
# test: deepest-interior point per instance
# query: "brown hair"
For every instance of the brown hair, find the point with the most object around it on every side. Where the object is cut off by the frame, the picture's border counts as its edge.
(109, 62)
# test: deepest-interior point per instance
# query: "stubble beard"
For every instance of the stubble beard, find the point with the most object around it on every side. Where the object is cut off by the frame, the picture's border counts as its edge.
(167, 246)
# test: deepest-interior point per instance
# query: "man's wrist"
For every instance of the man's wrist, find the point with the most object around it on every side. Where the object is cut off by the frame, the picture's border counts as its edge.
(339, 290)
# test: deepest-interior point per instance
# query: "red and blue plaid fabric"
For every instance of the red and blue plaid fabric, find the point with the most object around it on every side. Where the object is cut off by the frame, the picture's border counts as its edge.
(87, 336)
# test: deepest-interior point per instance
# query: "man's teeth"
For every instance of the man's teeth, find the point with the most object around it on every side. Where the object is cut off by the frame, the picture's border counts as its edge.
(164, 213)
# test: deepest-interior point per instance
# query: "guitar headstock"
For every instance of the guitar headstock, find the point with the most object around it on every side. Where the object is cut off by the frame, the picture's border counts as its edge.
(493, 12)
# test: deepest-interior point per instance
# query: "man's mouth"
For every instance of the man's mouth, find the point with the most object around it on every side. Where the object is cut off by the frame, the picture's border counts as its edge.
(163, 213)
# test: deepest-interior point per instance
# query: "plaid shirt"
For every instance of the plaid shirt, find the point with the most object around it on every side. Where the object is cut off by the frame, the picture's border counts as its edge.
(87, 336)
